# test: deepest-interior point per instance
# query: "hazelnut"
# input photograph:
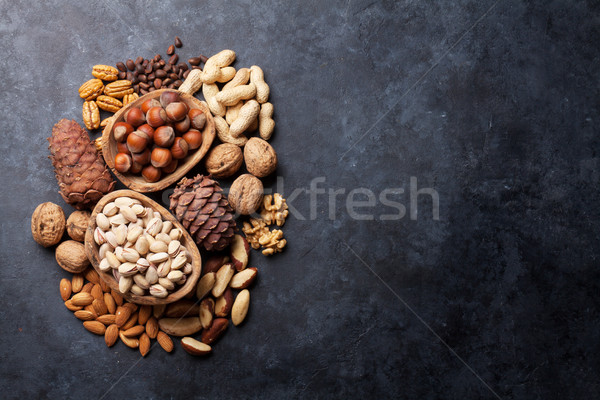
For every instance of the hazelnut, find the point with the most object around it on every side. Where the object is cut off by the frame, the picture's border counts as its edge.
(183, 125)
(171, 167)
(136, 168)
(122, 162)
(169, 97)
(149, 131)
(176, 111)
(151, 173)
(260, 157)
(164, 136)
(135, 117)
(161, 157)
(156, 116)
(137, 141)
(121, 130)
(141, 158)
(193, 138)
(246, 194)
(122, 147)
(224, 160)
(148, 104)
(180, 148)
(197, 118)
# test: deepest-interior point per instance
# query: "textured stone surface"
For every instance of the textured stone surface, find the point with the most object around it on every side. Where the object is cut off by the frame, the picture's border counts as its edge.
(494, 106)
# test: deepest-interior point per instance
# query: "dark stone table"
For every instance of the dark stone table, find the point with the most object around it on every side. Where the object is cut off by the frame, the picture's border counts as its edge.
(449, 247)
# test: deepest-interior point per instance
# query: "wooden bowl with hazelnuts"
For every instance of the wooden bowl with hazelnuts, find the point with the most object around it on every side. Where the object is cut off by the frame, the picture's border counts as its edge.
(155, 140)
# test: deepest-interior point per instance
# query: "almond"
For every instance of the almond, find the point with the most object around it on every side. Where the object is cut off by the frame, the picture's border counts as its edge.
(224, 303)
(195, 347)
(77, 283)
(164, 341)
(129, 342)
(224, 275)
(205, 285)
(104, 286)
(91, 275)
(182, 308)
(85, 315)
(240, 252)
(69, 304)
(134, 331)
(240, 307)
(144, 314)
(180, 326)
(91, 309)
(111, 306)
(117, 296)
(82, 299)
(152, 327)
(207, 308)
(65, 289)
(87, 288)
(111, 335)
(122, 315)
(243, 279)
(100, 306)
(144, 344)
(133, 307)
(106, 319)
(132, 321)
(97, 291)
(95, 327)
(219, 325)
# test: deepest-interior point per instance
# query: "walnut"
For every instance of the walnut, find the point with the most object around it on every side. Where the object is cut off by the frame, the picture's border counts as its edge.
(260, 157)
(274, 209)
(70, 255)
(246, 194)
(48, 224)
(77, 224)
(224, 160)
(259, 235)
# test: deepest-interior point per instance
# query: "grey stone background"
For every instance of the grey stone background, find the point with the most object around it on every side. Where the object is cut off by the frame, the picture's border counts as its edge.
(493, 104)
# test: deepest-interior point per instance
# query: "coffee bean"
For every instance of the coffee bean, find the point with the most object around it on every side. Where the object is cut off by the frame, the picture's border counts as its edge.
(160, 73)
(177, 83)
(148, 68)
(167, 81)
(194, 61)
(182, 66)
(178, 43)
(122, 75)
(136, 88)
(174, 58)
(143, 91)
(180, 74)
(134, 80)
(145, 62)
(130, 65)
(152, 89)
(162, 63)
(203, 58)
(173, 76)
(175, 69)
(171, 86)
(185, 74)
(139, 60)
(156, 66)
(144, 86)
(171, 50)
(142, 78)
(121, 67)
(167, 68)
(151, 76)
(157, 58)
(129, 76)
(157, 83)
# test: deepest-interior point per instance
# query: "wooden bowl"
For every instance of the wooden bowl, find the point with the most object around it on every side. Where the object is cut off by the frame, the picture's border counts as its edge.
(137, 182)
(91, 250)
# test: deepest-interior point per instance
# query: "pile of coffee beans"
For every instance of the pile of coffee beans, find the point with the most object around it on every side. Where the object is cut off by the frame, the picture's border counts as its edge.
(148, 75)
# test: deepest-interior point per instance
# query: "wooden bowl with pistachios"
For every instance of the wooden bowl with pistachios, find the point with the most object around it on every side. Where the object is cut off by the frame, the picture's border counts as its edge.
(155, 140)
(140, 250)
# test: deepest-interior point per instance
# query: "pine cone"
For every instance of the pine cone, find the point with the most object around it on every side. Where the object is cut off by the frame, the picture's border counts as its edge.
(80, 170)
(201, 207)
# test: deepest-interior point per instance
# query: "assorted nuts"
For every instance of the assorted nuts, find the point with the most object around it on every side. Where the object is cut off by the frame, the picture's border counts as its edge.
(142, 250)
(156, 136)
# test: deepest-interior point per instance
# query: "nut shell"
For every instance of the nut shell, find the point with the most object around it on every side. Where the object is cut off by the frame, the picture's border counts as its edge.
(48, 224)
(260, 157)
(70, 255)
(246, 194)
(77, 224)
(224, 160)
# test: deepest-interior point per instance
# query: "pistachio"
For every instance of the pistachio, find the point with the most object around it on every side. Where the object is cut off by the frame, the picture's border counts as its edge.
(135, 289)
(102, 250)
(111, 238)
(131, 255)
(110, 209)
(173, 248)
(167, 226)
(163, 237)
(128, 213)
(164, 268)
(128, 269)
(134, 233)
(142, 246)
(125, 284)
(141, 281)
(142, 265)
(99, 236)
(113, 261)
(102, 222)
(175, 234)
(125, 201)
(166, 283)
(151, 275)
(158, 247)
(178, 262)
(154, 226)
(175, 276)
(159, 291)
(187, 269)
(117, 219)
(104, 265)
(121, 234)
(158, 257)
(119, 254)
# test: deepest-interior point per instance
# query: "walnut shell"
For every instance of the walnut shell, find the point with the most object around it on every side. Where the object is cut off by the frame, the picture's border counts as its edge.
(224, 160)
(70, 255)
(246, 194)
(77, 224)
(260, 157)
(48, 224)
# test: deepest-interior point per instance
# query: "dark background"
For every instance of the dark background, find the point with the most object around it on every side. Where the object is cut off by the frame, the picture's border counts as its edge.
(495, 105)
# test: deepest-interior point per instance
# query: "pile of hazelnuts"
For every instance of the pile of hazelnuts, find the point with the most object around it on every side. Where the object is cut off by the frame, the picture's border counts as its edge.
(156, 136)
